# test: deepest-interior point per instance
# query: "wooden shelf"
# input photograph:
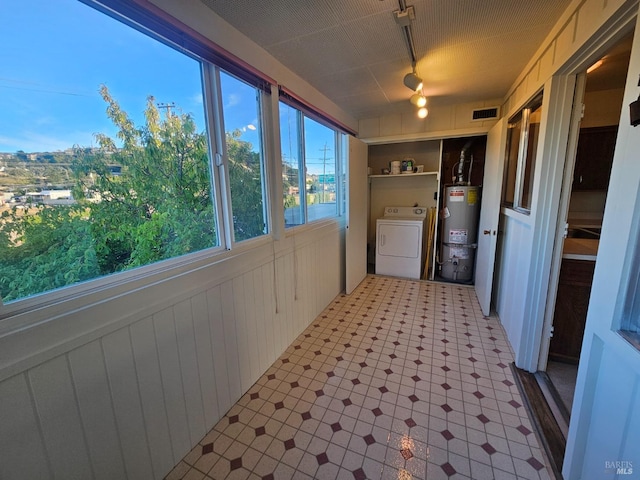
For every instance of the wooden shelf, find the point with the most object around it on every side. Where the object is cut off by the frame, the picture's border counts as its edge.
(404, 175)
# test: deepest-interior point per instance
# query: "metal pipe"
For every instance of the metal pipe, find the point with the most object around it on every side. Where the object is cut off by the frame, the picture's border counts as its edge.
(461, 168)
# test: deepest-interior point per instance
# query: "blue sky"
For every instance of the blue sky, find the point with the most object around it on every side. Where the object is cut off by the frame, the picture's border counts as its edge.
(55, 55)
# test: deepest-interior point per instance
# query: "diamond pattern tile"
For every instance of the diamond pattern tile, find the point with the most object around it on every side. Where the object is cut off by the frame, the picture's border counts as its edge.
(523, 430)
(487, 447)
(208, 448)
(447, 435)
(482, 417)
(410, 422)
(535, 463)
(448, 469)
(375, 388)
(236, 463)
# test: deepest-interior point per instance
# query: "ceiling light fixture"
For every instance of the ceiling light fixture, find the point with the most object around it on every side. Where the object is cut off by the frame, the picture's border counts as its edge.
(418, 100)
(594, 66)
(413, 81)
(423, 112)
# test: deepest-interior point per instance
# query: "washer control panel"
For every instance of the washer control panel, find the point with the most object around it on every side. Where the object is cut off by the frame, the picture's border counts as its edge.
(408, 212)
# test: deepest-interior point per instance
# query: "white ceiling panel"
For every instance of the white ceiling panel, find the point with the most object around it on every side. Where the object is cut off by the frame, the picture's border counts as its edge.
(355, 53)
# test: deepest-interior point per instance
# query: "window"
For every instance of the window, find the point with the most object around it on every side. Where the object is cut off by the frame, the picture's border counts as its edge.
(243, 137)
(522, 148)
(292, 157)
(320, 170)
(314, 149)
(104, 148)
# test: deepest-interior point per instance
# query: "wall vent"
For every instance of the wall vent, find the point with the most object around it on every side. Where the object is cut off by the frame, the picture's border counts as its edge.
(485, 113)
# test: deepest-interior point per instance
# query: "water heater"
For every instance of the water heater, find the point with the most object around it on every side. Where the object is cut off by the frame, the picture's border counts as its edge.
(460, 232)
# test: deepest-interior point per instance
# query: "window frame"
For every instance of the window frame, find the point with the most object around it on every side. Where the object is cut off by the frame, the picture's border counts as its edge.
(220, 157)
(338, 145)
(523, 163)
(628, 323)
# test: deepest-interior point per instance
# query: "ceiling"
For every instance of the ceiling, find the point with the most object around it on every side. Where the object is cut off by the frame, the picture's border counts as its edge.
(354, 52)
(612, 72)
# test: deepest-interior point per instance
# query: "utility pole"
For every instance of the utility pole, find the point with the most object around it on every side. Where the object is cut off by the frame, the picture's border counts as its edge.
(324, 151)
(167, 106)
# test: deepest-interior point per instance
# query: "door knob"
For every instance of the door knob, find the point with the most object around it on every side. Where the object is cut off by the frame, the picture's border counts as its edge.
(486, 232)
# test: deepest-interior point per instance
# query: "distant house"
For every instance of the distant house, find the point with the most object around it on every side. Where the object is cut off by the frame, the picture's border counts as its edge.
(51, 197)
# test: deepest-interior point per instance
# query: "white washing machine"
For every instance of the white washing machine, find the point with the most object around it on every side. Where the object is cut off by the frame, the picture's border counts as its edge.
(399, 242)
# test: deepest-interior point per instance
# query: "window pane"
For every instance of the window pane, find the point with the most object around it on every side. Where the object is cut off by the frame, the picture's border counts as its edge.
(291, 165)
(106, 162)
(511, 167)
(530, 159)
(320, 163)
(241, 110)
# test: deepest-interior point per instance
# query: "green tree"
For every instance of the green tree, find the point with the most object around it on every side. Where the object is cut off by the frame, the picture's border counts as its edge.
(246, 188)
(44, 250)
(142, 197)
(159, 205)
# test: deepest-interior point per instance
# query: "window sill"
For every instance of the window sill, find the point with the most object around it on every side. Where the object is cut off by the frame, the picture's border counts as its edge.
(517, 214)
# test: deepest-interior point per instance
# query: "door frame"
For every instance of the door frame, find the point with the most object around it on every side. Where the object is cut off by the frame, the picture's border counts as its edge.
(563, 211)
(538, 346)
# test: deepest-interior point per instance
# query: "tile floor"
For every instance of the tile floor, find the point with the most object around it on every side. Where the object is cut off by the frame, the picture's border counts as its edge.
(399, 380)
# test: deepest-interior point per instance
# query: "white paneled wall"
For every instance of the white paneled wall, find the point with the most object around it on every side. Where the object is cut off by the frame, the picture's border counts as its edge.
(511, 275)
(582, 23)
(443, 121)
(132, 402)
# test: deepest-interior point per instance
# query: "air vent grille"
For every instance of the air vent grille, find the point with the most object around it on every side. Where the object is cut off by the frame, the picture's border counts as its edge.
(485, 113)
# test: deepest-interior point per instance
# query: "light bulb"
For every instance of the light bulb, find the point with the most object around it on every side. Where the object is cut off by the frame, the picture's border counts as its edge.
(418, 100)
(423, 112)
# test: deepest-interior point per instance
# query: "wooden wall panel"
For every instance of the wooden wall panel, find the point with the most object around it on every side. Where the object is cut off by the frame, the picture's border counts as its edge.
(219, 350)
(94, 402)
(251, 331)
(231, 340)
(165, 336)
(145, 354)
(513, 276)
(126, 404)
(241, 324)
(204, 354)
(269, 312)
(189, 372)
(59, 420)
(282, 303)
(22, 453)
(260, 319)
